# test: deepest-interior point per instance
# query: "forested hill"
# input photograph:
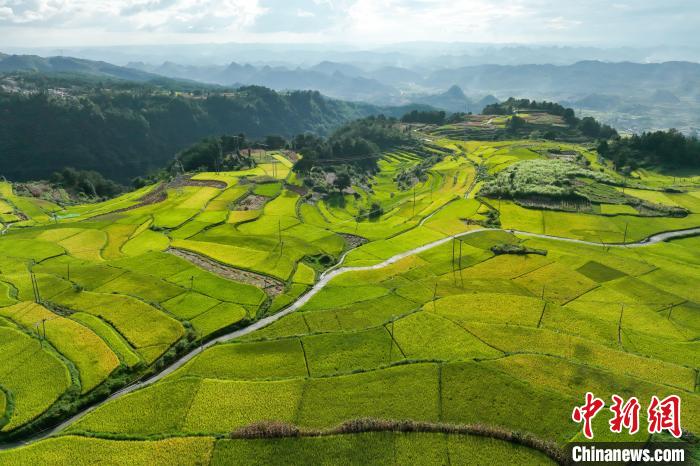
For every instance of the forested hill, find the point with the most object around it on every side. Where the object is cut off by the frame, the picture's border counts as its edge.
(14, 63)
(125, 129)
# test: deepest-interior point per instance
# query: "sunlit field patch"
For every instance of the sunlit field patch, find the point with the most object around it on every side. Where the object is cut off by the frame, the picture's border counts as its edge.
(93, 358)
(33, 375)
(85, 451)
(250, 361)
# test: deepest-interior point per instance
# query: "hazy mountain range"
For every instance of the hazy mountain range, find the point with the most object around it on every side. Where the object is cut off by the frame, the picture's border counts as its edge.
(631, 96)
(424, 55)
(387, 84)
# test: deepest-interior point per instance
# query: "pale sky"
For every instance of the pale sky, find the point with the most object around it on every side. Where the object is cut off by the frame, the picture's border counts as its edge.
(36, 23)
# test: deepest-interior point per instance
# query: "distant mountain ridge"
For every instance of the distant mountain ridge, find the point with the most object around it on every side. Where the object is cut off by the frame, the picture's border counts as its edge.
(14, 63)
(584, 77)
(632, 89)
(326, 78)
(395, 85)
(455, 100)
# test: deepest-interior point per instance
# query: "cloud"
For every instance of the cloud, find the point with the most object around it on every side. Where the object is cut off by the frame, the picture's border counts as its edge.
(560, 23)
(133, 15)
(432, 19)
(5, 13)
(298, 16)
(195, 15)
(356, 21)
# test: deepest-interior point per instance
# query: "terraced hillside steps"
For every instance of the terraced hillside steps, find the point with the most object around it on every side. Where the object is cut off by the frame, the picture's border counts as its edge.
(303, 299)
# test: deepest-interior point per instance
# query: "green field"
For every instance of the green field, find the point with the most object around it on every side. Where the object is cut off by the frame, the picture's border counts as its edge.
(455, 334)
(367, 448)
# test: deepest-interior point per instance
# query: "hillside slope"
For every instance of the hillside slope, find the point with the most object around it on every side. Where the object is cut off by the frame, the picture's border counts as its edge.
(14, 63)
(124, 129)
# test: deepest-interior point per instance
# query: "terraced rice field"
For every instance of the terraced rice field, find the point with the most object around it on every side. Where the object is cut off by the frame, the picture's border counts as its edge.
(451, 337)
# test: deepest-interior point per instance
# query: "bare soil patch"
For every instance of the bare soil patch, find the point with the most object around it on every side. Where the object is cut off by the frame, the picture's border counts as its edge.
(155, 196)
(353, 241)
(181, 181)
(291, 155)
(300, 190)
(251, 202)
(271, 286)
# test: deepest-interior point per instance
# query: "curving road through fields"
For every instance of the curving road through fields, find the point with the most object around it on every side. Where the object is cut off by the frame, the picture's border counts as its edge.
(325, 278)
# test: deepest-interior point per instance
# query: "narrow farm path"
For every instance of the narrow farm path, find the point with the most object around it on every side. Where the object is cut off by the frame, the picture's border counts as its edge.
(653, 239)
(325, 278)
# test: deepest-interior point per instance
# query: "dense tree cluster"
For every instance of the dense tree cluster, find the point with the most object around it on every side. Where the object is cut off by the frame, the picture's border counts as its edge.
(408, 177)
(215, 154)
(274, 142)
(515, 124)
(436, 117)
(587, 126)
(669, 149)
(513, 105)
(357, 143)
(592, 128)
(85, 182)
